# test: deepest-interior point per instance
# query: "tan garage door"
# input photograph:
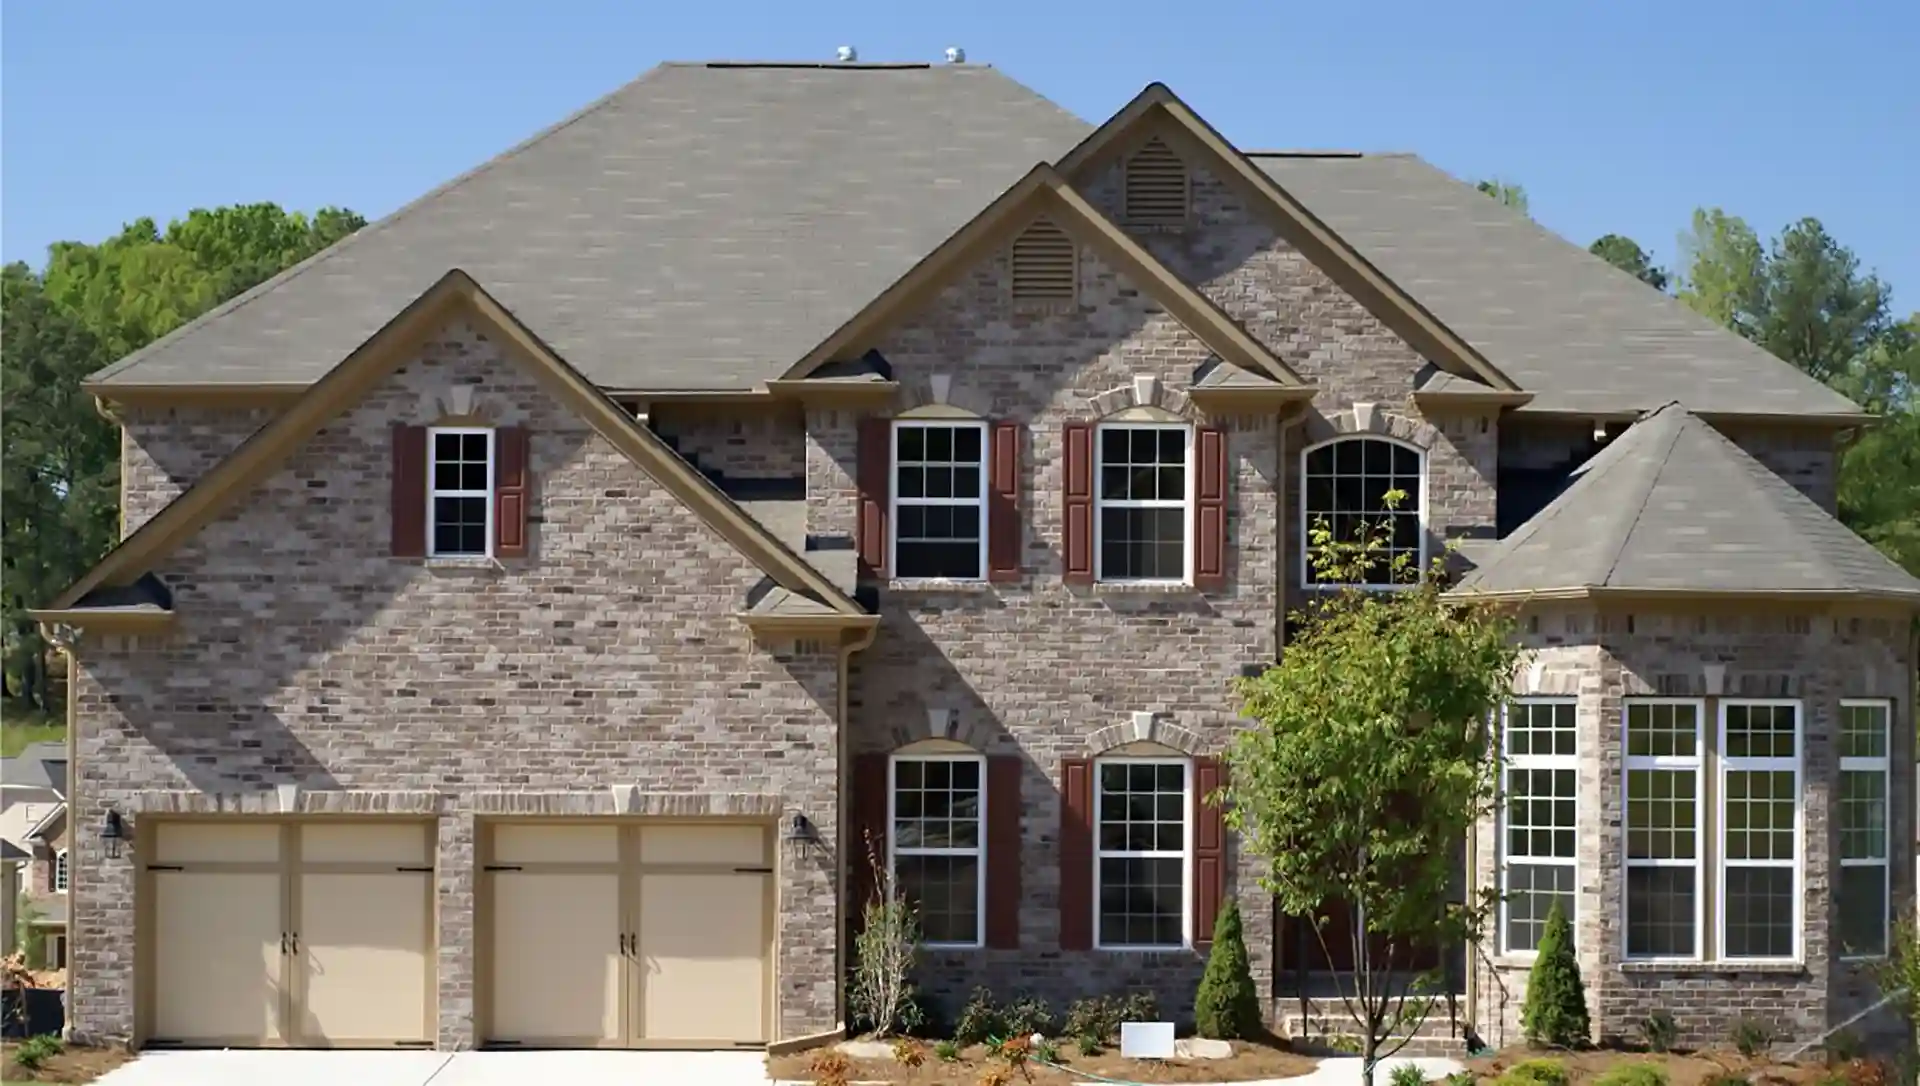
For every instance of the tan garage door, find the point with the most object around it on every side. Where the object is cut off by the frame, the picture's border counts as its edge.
(270, 933)
(635, 935)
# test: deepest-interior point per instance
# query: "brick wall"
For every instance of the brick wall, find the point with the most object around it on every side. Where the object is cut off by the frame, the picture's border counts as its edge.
(738, 441)
(164, 450)
(610, 657)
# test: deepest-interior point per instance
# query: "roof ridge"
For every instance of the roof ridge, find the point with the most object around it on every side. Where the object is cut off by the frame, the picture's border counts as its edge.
(1327, 152)
(242, 299)
(853, 65)
(1781, 496)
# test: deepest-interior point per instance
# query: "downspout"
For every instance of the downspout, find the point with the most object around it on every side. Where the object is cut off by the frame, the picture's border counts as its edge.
(862, 639)
(63, 638)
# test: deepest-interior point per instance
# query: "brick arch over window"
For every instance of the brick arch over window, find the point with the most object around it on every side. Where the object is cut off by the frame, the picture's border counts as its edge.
(942, 395)
(1149, 396)
(1367, 418)
(1344, 479)
(1146, 729)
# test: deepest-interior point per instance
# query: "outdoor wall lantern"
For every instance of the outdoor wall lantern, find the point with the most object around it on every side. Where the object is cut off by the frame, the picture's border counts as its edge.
(112, 832)
(800, 828)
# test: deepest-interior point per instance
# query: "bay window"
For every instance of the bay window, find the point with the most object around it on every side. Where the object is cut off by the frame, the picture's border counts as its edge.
(1861, 888)
(1664, 769)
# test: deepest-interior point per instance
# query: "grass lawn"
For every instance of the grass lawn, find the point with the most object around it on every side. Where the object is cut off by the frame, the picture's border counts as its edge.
(18, 727)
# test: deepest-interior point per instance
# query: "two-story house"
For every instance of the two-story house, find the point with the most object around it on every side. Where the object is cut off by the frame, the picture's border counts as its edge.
(535, 611)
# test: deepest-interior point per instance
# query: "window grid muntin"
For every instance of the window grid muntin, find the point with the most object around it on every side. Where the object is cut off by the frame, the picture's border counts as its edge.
(1866, 741)
(1168, 501)
(926, 856)
(1663, 767)
(1770, 763)
(1540, 739)
(1159, 858)
(953, 503)
(469, 491)
(1406, 469)
(61, 872)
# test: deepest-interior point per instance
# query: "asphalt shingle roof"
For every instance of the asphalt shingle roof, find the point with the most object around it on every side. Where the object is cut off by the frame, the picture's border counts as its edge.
(1564, 324)
(1672, 504)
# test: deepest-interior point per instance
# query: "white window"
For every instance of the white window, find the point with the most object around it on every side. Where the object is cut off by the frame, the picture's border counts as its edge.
(1141, 518)
(1539, 817)
(1141, 833)
(1344, 488)
(1663, 765)
(936, 848)
(939, 500)
(1759, 829)
(1866, 733)
(459, 491)
(60, 871)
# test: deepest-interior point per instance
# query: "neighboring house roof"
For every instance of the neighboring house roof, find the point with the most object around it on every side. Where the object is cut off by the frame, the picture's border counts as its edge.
(12, 853)
(1577, 332)
(49, 826)
(38, 765)
(455, 294)
(699, 228)
(1673, 507)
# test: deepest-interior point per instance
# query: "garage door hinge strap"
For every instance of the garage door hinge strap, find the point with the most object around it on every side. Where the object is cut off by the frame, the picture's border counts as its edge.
(164, 867)
(504, 867)
(413, 1044)
(428, 868)
(753, 870)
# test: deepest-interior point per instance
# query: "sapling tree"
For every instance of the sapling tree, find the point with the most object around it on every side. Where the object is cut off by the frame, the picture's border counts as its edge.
(1370, 759)
(882, 993)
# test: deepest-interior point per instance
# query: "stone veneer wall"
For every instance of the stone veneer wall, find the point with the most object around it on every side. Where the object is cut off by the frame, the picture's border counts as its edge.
(1603, 659)
(605, 672)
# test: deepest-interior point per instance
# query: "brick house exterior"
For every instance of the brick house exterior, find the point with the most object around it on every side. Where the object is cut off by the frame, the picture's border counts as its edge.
(696, 600)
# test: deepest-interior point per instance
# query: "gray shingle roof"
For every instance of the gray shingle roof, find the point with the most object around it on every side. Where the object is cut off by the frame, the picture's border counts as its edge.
(1673, 505)
(702, 227)
(1564, 324)
(38, 765)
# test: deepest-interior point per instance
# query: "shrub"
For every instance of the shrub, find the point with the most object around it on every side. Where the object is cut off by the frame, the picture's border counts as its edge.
(1046, 1051)
(1087, 1044)
(1407, 1074)
(909, 1053)
(883, 954)
(1751, 1037)
(1555, 1012)
(1025, 1016)
(1842, 1047)
(1660, 1031)
(1227, 1006)
(1137, 1007)
(946, 1051)
(1633, 1074)
(1534, 1073)
(1459, 1078)
(1097, 1018)
(34, 1052)
(830, 1067)
(979, 1019)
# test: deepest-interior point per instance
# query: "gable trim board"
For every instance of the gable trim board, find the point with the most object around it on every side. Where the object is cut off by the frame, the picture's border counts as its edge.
(1157, 110)
(1043, 191)
(455, 293)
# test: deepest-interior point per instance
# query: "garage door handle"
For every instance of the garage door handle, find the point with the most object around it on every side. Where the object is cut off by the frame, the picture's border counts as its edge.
(503, 867)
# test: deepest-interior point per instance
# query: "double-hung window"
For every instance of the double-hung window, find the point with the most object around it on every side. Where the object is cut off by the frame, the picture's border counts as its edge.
(1865, 767)
(1141, 836)
(1143, 499)
(1540, 816)
(937, 842)
(1664, 768)
(940, 502)
(1760, 829)
(1344, 487)
(460, 491)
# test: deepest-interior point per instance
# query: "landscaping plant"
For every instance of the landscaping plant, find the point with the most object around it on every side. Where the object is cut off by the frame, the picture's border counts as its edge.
(1899, 975)
(1368, 763)
(1632, 1074)
(908, 1052)
(946, 1051)
(883, 955)
(1534, 1073)
(34, 1052)
(1407, 1075)
(1555, 1012)
(1227, 1007)
(1751, 1037)
(1026, 1015)
(1660, 1031)
(979, 1020)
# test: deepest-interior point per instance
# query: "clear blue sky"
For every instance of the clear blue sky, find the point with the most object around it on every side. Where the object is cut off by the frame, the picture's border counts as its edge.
(1616, 116)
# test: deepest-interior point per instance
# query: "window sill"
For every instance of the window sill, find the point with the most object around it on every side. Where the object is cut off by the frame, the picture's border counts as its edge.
(1144, 588)
(473, 562)
(937, 585)
(1716, 968)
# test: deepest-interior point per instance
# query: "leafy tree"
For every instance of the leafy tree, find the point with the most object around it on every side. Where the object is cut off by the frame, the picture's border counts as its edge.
(1366, 768)
(1626, 254)
(1555, 1012)
(1227, 1006)
(1880, 470)
(1505, 192)
(1725, 276)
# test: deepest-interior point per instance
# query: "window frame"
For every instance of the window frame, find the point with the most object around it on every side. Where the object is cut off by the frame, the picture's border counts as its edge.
(486, 496)
(1185, 854)
(1305, 547)
(1509, 762)
(1884, 766)
(1727, 765)
(1102, 503)
(894, 500)
(1668, 762)
(62, 873)
(979, 852)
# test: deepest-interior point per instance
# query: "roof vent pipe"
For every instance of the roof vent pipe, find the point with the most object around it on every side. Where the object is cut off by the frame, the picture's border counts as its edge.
(847, 54)
(956, 55)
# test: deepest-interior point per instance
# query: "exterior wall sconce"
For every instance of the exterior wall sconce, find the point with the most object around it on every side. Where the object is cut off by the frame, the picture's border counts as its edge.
(112, 832)
(801, 829)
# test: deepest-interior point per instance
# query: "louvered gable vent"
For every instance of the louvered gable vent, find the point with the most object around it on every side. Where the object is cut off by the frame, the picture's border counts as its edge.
(1156, 186)
(1043, 264)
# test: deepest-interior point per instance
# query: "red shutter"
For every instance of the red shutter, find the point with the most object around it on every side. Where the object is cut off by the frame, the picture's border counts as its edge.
(1004, 772)
(1210, 510)
(875, 481)
(1004, 528)
(1076, 854)
(867, 831)
(409, 491)
(510, 492)
(1209, 849)
(1076, 484)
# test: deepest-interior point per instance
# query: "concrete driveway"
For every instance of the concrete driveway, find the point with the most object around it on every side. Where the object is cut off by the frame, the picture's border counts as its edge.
(237, 1068)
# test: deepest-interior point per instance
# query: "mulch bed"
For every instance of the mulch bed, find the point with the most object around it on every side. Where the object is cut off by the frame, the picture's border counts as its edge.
(72, 1065)
(1250, 1061)
(1689, 1069)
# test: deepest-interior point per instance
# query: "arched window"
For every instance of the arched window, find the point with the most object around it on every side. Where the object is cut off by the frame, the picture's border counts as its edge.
(1344, 485)
(60, 871)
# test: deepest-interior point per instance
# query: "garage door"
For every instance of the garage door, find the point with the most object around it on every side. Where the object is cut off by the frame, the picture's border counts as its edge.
(636, 935)
(299, 934)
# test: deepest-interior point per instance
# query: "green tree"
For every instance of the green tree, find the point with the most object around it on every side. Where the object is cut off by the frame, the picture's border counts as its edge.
(1366, 767)
(1880, 469)
(1227, 1006)
(1555, 1012)
(1725, 271)
(1505, 192)
(1626, 254)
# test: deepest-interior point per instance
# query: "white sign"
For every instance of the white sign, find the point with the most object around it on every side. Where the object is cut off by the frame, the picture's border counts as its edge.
(1146, 1040)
